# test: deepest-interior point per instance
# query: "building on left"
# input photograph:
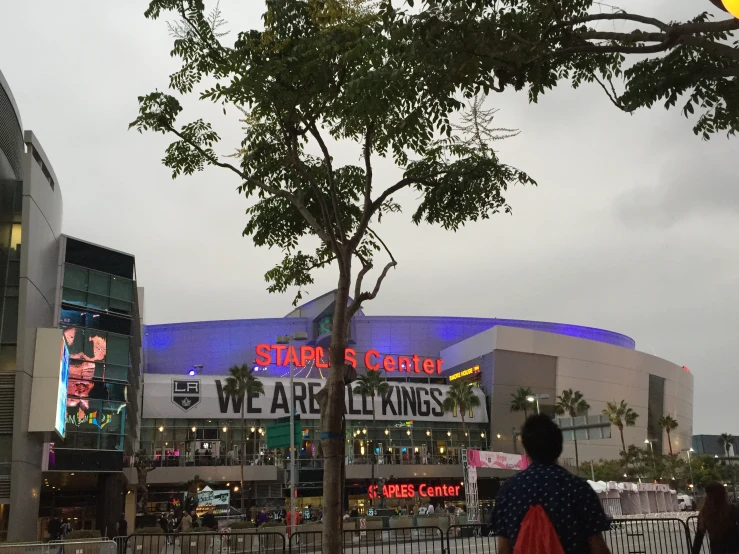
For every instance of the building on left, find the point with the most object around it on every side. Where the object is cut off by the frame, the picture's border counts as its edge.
(70, 353)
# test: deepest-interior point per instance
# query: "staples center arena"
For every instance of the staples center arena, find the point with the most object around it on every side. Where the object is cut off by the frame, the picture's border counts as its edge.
(190, 425)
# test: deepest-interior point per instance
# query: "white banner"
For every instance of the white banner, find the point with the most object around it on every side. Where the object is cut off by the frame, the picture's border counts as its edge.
(170, 396)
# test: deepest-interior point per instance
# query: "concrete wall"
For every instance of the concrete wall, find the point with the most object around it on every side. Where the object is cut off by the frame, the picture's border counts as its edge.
(41, 227)
(602, 372)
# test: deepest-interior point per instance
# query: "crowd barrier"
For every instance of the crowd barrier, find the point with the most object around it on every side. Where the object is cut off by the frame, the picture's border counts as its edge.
(626, 536)
(92, 546)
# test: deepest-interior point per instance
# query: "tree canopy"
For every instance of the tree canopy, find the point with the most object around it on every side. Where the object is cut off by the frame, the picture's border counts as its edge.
(638, 60)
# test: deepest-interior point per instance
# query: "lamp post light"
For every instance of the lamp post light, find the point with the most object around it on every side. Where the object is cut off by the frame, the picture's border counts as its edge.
(650, 442)
(690, 465)
(288, 339)
(536, 398)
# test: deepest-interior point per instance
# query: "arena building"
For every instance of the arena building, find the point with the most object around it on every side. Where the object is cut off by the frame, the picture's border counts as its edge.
(190, 426)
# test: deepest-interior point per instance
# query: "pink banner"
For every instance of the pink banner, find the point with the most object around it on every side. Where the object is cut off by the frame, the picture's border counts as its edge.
(496, 460)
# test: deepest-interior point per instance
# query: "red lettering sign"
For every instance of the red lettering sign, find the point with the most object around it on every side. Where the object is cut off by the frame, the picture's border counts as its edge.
(300, 356)
(408, 490)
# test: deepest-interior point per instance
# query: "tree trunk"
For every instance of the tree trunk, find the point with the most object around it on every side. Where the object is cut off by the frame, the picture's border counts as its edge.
(669, 441)
(577, 457)
(243, 452)
(331, 400)
(623, 442)
(525, 414)
(372, 450)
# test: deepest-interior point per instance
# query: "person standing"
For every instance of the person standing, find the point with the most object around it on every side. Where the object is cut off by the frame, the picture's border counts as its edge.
(54, 528)
(720, 520)
(556, 505)
(186, 523)
(430, 509)
(262, 517)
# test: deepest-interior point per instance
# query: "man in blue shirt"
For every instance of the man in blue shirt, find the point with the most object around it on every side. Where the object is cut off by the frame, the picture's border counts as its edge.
(570, 503)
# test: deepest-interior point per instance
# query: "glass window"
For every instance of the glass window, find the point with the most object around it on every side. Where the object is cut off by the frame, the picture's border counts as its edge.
(118, 347)
(75, 277)
(99, 284)
(10, 321)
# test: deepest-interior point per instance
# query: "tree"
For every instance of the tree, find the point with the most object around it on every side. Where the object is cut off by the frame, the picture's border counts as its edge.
(371, 384)
(520, 402)
(637, 60)
(572, 403)
(668, 424)
(621, 415)
(461, 396)
(726, 441)
(243, 384)
(320, 72)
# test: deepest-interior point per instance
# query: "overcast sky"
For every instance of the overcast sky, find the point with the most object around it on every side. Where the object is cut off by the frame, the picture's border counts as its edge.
(633, 226)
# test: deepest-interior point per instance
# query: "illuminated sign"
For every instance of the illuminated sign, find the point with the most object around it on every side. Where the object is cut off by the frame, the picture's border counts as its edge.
(61, 397)
(283, 354)
(408, 490)
(465, 372)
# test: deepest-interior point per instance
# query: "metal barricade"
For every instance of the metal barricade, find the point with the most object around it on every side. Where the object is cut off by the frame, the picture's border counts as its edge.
(692, 523)
(390, 540)
(93, 546)
(648, 536)
(229, 542)
(472, 538)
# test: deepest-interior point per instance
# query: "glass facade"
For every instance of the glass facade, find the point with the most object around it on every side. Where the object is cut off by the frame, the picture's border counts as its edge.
(187, 442)
(11, 204)
(96, 316)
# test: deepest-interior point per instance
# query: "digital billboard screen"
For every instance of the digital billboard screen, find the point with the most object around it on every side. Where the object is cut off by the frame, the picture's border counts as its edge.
(60, 424)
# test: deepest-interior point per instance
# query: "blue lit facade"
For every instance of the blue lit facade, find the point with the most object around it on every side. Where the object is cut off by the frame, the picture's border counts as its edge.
(216, 345)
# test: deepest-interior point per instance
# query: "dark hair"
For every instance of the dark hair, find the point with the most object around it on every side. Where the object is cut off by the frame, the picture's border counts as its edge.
(542, 439)
(715, 515)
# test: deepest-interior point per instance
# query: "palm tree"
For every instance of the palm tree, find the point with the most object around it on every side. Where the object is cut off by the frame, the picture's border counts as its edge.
(371, 384)
(460, 395)
(726, 440)
(520, 402)
(669, 424)
(621, 415)
(242, 383)
(573, 404)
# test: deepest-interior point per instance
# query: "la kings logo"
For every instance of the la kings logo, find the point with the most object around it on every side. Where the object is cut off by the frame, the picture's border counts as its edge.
(186, 393)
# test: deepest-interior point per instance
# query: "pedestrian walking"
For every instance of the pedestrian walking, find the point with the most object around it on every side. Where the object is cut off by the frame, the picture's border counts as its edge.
(546, 509)
(54, 528)
(720, 520)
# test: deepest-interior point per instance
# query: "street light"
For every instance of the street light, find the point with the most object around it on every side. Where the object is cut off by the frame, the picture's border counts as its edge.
(288, 339)
(651, 446)
(536, 398)
(690, 465)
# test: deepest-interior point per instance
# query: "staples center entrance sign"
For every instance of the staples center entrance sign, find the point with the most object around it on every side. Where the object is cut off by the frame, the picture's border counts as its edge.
(282, 354)
(409, 490)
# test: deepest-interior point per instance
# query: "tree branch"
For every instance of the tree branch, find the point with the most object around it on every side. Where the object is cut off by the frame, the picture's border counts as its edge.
(368, 138)
(369, 229)
(330, 177)
(292, 140)
(364, 296)
(621, 16)
(297, 203)
(612, 95)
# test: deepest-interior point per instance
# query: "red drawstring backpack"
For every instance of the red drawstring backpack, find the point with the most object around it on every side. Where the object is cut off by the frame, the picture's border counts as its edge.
(537, 534)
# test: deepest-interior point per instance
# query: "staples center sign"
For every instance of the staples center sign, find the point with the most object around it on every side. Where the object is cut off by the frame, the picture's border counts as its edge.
(408, 490)
(282, 355)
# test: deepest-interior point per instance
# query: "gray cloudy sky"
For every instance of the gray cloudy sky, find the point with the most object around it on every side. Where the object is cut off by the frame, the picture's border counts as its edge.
(632, 228)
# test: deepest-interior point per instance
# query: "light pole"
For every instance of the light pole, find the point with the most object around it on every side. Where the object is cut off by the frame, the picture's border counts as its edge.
(651, 446)
(690, 465)
(536, 398)
(288, 339)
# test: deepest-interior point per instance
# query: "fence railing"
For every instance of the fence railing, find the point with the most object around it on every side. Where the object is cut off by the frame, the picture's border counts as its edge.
(92, 546)
(626, 536)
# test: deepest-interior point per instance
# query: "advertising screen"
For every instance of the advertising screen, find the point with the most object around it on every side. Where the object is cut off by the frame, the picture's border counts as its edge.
(60, 424)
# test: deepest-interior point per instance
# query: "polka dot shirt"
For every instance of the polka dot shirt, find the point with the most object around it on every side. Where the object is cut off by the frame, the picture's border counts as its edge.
(571, 504)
